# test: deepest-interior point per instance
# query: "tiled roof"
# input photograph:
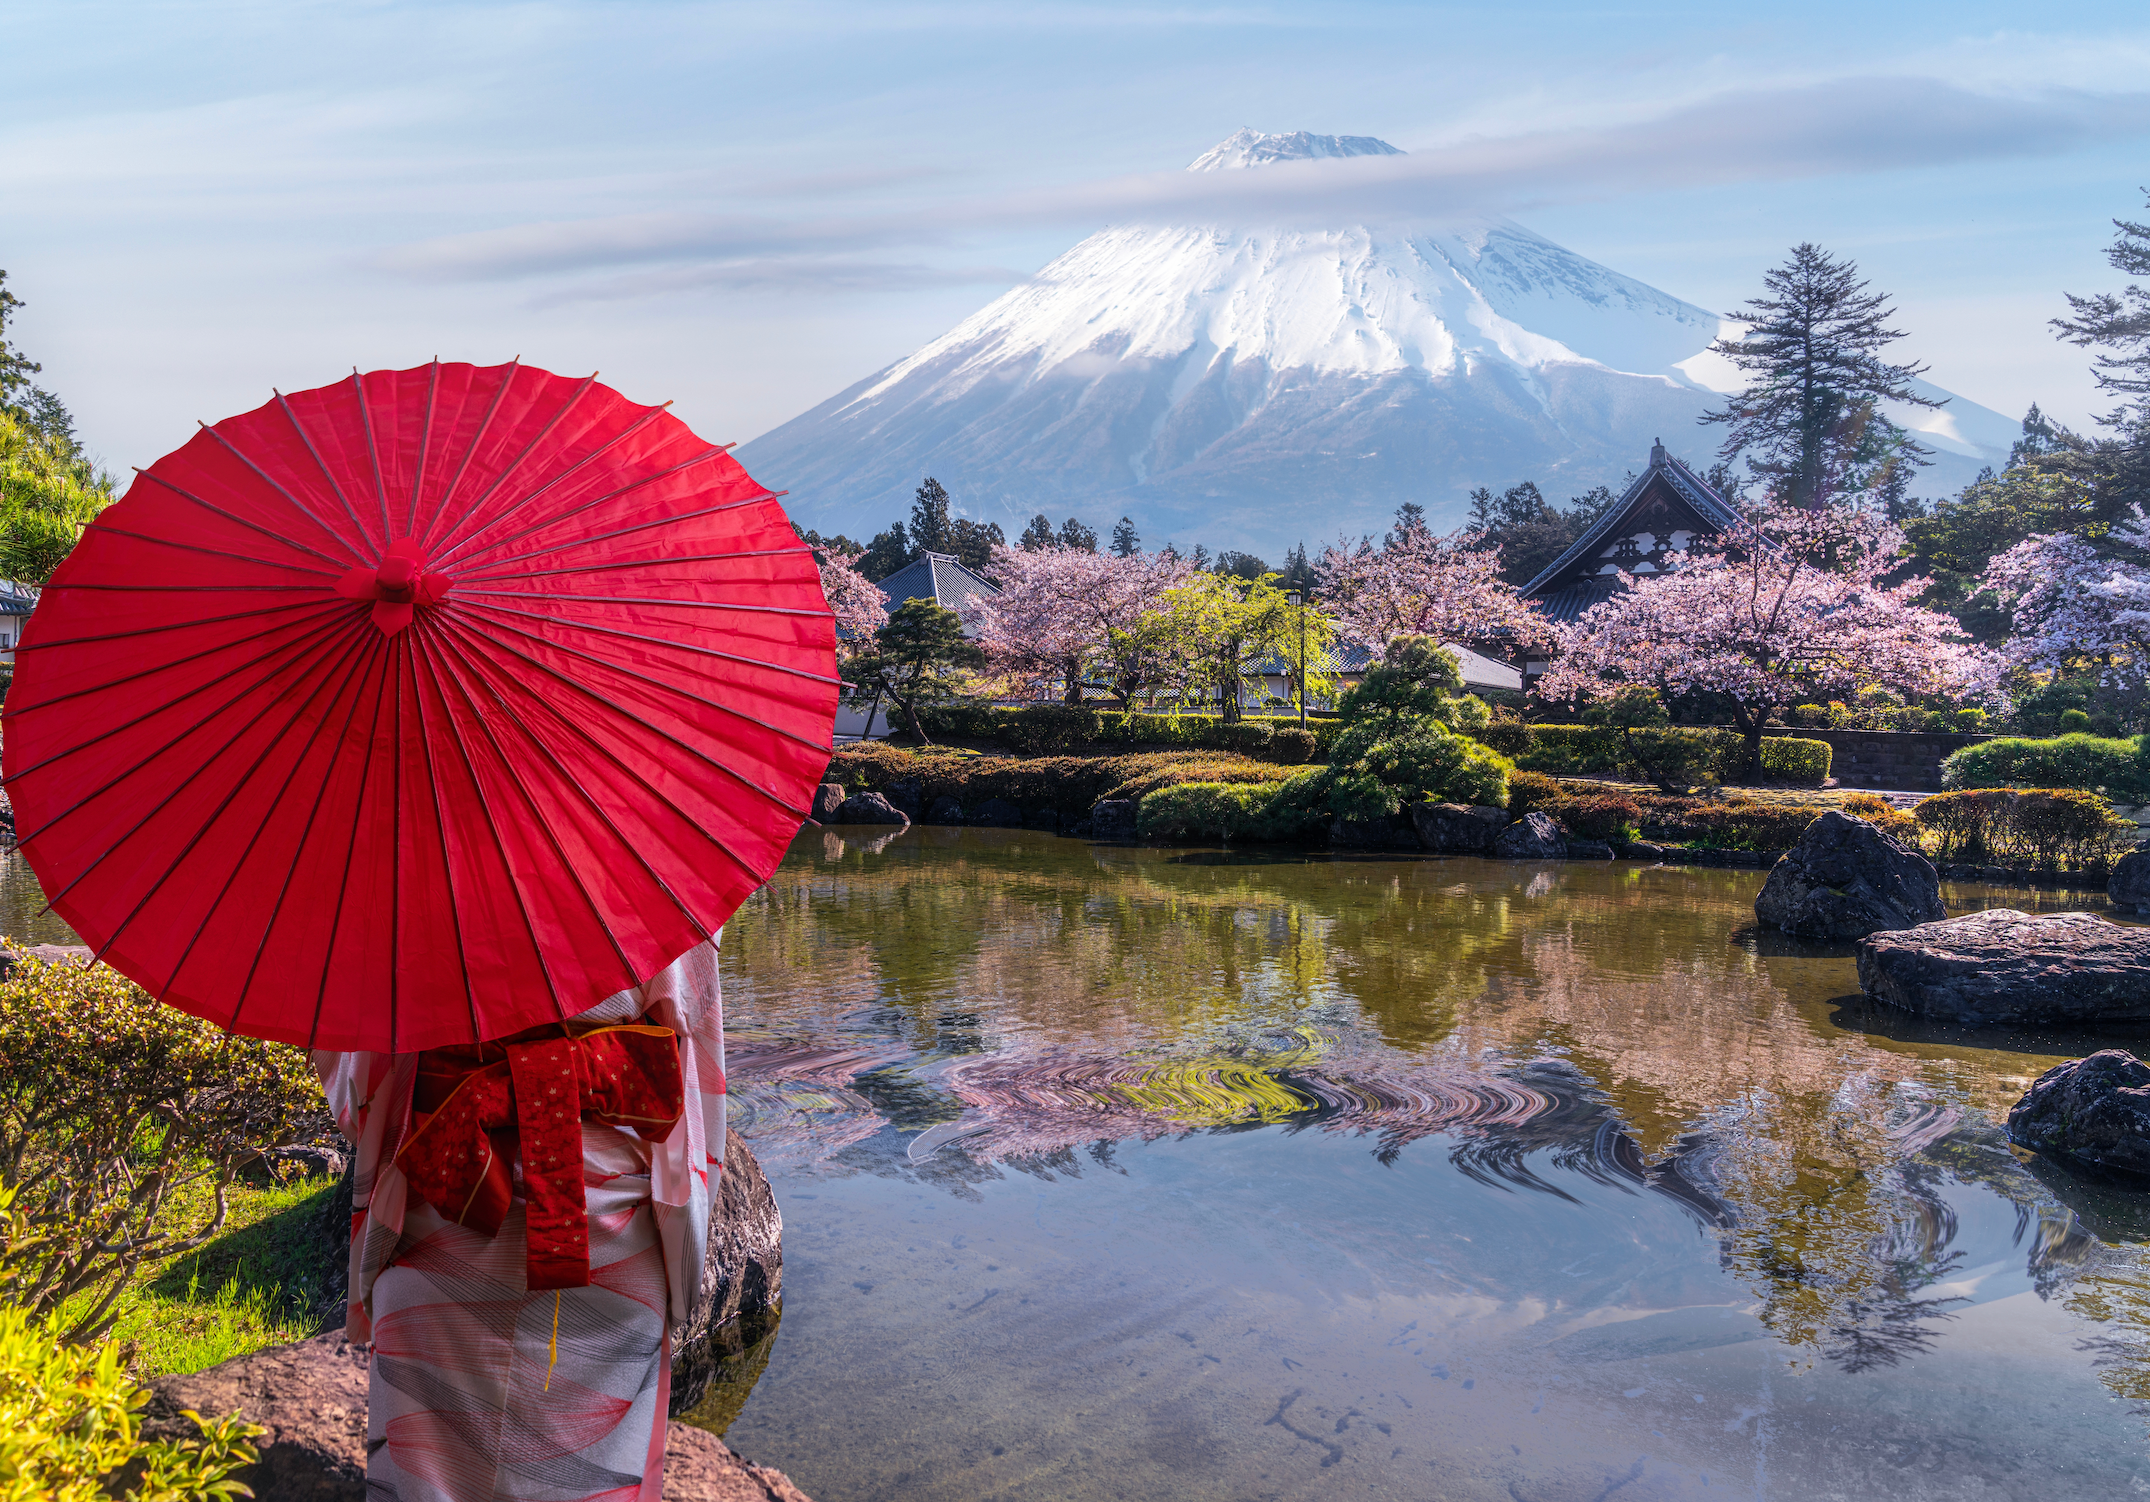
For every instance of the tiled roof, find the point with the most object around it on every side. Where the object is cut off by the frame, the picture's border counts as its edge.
(1707, 504)
(936, 577)
(15, 602)
(1568, 602)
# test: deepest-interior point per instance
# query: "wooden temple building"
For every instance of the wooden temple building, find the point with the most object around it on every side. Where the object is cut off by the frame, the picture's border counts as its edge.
(1667, 508)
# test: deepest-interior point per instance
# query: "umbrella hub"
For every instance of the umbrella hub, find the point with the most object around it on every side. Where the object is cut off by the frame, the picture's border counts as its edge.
(396, 586)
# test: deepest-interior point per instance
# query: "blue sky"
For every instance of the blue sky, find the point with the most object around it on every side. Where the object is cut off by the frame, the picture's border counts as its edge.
(748, 207)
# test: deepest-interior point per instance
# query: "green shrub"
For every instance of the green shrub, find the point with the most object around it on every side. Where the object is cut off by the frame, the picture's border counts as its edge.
(961, 720)
(1604, 816)
(2074, 721)
(1883, 815)
(1803, 763)
(1292, 747)
(1058, 728)
(1247, 737)
(1208, 810)
(1532, 790)
(113, 1110)
(1961, 823)
(2091, 763)
(69, 1420)
(1069, 784)
(1968, 721)
(2048, 827)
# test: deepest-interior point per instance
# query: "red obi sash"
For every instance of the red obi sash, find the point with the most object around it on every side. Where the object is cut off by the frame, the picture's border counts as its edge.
(541, 1089)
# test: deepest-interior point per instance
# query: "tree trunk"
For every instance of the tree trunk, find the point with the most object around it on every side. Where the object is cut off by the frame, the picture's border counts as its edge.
(1750, 725)
(1074, 676)
(910, 718)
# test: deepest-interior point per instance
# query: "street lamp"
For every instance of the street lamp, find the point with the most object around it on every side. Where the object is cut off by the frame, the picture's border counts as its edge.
(1297, 598)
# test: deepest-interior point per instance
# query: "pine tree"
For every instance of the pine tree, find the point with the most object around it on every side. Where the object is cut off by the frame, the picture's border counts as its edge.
(2119, 327)
(929, 518)
(1038, 536)
(1125, 543)
(34, 407)
(915, 659)
(888, 552)
(1073, 534)
(1810, 423)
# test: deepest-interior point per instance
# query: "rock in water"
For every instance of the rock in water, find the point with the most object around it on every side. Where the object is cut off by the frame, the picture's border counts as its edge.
(2094, 1111)
(999, 813)
(311, 1398)
(1112, 819)
(1534, 837)
(743, 1276)
(1457, 828)
(2130, 887)
(868, 808)
(1845, 879)
(944, 811)
(828, 798)
(2005, 967)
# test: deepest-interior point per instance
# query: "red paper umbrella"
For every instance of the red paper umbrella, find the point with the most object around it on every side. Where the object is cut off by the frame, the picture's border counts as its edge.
(420, 709)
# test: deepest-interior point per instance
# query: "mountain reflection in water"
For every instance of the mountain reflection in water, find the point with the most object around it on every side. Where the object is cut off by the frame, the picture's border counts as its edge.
(1116, 1171)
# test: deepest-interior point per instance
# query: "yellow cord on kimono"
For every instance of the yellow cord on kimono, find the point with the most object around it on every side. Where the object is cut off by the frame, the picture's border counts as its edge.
(552, 1352)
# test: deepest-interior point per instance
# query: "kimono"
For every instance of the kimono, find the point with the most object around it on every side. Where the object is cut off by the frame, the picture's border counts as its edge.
(481, 1386)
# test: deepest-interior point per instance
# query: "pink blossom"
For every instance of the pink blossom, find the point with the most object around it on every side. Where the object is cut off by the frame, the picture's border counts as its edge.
(1795, 608)
(860, 608)
(2071, 604)
(1423, 585)
(1067, 613)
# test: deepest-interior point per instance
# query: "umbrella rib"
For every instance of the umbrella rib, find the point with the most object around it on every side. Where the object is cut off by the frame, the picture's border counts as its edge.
(398, 654)
(611, 495)
(329, 475)
(553, 839)
(440, 822)
(207, 824)
(358, 660)
(380, 483)
(670, 688)
(185, 782)
(485, 425)
(655, 641)
(283, 892)
(155, 709)
(617, 566)
(649, 415)
(195, 547)
(350, 851)
(425, 445)
(150, 474)
(98, 688)
(535, 594)
(627, 714)
(596, 807)
(244, 458)
(662, 521)
(214, 620)
(582, 731)
(539, 437)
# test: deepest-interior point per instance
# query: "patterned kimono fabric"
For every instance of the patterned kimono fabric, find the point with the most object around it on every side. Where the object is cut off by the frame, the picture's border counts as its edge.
(482, 1388)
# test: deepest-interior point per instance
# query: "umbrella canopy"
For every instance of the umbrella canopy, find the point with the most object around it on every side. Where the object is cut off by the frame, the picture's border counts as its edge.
(421, 708)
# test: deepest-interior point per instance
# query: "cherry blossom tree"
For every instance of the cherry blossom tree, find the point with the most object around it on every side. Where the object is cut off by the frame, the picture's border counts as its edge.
(2075, 605)
(860, 607)
(1070, 613)
(1418, 583)
(1792, 607)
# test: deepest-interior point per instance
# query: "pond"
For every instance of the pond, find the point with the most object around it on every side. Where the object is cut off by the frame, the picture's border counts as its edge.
(1118, 1172)
(1114, 1172)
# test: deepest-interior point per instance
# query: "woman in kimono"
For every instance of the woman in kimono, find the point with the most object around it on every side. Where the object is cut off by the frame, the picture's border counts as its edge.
(529, 1221)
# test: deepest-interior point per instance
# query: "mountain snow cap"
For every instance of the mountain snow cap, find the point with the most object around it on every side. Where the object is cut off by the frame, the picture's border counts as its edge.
(1248, 147)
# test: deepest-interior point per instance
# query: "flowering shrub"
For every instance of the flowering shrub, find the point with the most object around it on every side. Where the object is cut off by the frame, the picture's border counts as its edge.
(114, 1111)
(2093, 763)
(68, 1421)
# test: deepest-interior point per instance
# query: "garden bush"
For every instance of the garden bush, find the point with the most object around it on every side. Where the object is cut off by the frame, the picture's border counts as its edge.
(1720, 755)
(1883, 815)
(1803, 763)
(2048, 827)
(116, 1115)
(1532, 790)
(70, 1425)
(1289, 746)
(1603, 816)
(1050, 729)
(1211, 810)
(2091, 763)
(1068, 784)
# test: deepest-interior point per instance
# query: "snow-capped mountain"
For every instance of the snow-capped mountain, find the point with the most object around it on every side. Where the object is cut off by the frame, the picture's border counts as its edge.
(1253, 388)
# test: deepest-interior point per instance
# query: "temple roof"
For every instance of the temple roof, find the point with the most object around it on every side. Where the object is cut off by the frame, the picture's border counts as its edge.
(940, 578)
(1666, 500)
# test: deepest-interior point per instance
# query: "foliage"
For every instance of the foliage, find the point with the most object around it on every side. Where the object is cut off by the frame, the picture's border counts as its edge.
(1787, 758)
(1764, 618)
(1602, 816)
(1675, 762)
(1069, 784)
(2048, 826)
(1526, 528)
(1224, 811)
(1726, 822)
(935, 530)
(1528, 791)
(1070, 614)
(2076, 607)
(1221, 630)
(1038, 729)
(1416, 677)
(69, 1419)
(48, 494)
(917, 657)
(2119, 327)
(1959, 540)
(112, 1108)
(1883, 815)
(1715, 754)
(1419, 584)
(1290, 746)
(1040, 535)
(2116, 767)
(1810, 419)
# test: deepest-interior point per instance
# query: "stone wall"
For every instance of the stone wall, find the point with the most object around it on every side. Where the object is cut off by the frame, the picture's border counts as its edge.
(1909, 760)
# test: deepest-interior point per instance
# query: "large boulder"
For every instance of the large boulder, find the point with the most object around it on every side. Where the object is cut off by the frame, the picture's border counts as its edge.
(906, 795)
(869, 808)
(945, 810)
(1534, 837)
(828, 798)
(2005, 967)
(1457, 828)
(2094, 1111)
(1845, 879)
(742, 1277)
(2129, 888)
(311, 1400)
(1112, 819)
(998, 813)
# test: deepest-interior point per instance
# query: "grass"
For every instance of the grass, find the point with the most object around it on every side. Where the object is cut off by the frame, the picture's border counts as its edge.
(256, 1285)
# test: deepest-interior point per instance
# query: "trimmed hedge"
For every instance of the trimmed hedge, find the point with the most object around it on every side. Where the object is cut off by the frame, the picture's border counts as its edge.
(1577, 749)
(1064, 729)
(2048, 826)
(1068, 784)
(2087, 762)
(1210, 810)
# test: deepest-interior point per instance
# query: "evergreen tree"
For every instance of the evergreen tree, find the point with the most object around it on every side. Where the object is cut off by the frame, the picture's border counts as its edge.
(1298, 572)
(888, 552)
(1125, 543)
(1241, 565)
(1528, 529)
(1200, 557)
(1073, 534)
(972, 543)
(1810, 422)
(1038, 536)
(2118, 326)
(929, 518)
(34, 407)
(915, 660)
